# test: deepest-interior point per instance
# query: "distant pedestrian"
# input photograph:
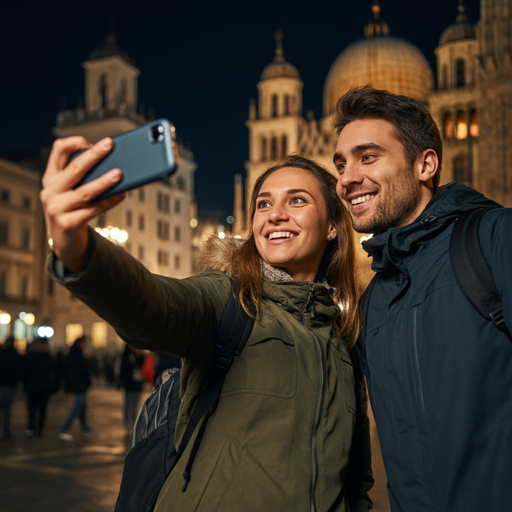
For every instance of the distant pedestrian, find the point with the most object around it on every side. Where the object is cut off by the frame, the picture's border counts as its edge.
(39, 382)
(78, 380)
(10, 374)
(132, 380)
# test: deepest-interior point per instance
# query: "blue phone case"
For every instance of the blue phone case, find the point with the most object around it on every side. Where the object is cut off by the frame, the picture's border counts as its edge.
(142, 159)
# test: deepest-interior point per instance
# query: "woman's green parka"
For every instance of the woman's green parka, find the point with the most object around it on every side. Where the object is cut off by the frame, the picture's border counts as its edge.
(290, 432)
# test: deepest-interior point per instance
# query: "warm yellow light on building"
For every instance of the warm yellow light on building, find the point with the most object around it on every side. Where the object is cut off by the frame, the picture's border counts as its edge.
(99, 334)
(73, 331)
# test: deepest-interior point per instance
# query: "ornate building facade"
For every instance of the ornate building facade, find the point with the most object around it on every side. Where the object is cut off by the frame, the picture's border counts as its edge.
(153, 223)
(471, 101)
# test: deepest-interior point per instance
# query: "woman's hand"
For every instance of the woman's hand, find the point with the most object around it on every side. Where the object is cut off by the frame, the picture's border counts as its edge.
(68, 211)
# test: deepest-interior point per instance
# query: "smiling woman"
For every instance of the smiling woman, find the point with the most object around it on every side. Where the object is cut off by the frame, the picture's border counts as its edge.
(290, 430)
(299, 226)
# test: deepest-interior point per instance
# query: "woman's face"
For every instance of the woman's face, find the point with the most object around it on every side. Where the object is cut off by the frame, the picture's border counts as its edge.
(290, 224)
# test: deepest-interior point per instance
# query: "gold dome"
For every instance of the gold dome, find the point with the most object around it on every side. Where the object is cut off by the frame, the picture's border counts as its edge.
(380, 60)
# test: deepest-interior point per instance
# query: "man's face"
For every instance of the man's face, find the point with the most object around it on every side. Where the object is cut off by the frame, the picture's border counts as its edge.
(378, 187)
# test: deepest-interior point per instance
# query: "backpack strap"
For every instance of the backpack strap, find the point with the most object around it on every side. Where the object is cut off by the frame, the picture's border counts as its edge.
(232, 335)
(472, 271)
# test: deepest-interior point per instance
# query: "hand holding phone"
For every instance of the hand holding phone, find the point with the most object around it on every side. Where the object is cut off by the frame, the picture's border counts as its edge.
(146, 154)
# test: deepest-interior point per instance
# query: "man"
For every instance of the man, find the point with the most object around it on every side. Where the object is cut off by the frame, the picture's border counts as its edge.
(78, 380)
(439, 374)
(10, 374)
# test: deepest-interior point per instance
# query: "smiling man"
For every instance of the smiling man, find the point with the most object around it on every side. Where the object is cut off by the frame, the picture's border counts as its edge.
(439, 374)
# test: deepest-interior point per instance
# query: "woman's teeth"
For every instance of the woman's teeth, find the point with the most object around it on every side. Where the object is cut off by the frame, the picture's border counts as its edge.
(281, 234)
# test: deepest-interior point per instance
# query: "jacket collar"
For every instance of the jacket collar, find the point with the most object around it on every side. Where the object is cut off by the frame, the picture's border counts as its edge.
(392, 248)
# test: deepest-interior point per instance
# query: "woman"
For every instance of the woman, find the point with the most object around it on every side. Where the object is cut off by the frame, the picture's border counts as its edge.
(290, 431)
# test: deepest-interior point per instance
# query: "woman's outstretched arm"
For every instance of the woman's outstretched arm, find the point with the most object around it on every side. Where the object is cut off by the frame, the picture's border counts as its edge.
(67, 211)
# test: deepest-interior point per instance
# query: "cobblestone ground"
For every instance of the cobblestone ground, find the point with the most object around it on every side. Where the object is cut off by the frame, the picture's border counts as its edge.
(45, 474)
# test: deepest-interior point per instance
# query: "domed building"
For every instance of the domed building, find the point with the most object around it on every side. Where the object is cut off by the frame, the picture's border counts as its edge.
(471, 101)
(379, 59)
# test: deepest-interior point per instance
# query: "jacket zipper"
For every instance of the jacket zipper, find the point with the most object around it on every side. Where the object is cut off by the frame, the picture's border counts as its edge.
(316, 426)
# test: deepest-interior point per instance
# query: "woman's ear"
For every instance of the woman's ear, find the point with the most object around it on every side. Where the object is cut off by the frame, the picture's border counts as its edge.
(332, 233)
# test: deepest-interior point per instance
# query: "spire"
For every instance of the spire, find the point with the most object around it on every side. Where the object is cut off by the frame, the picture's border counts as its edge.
(461, 17)
(377, 27)
(279, 46)
(376, 10)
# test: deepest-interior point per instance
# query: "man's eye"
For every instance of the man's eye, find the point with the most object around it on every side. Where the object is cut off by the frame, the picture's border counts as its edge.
(368, 157)
(341, 166)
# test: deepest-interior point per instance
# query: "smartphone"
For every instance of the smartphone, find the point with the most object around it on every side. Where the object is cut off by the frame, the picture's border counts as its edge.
(146, 154)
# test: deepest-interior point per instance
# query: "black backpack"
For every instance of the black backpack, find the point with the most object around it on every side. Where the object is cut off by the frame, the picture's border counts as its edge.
(152, 454)
(472, 271)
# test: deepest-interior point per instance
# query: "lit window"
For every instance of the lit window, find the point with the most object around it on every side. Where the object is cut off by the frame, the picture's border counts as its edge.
(473, 124)
(462, 127)
(73, 331)
(448, 125)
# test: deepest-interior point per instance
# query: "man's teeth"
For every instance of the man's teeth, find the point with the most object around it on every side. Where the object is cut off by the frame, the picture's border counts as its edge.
(281, 234)
(362, 199)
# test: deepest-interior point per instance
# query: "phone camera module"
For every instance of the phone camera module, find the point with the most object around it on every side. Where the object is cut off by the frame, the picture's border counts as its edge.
(157, 133)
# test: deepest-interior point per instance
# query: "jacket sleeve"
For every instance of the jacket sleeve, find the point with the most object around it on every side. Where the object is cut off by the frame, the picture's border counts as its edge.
(359, 478)
(146, 310)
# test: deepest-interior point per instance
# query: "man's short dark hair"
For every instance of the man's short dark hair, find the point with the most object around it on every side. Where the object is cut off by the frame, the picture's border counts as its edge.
(414, 127)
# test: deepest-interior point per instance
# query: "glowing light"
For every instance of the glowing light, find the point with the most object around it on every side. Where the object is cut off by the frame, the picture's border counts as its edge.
(221, 235)
(5, 318)
(113, 234)
(230, 219)
(29, 319)
(45, 331)
(193, 223)
(50, 242)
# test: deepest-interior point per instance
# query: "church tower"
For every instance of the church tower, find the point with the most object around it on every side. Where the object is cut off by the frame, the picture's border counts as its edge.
(274, 125)
(453, 104)
(110, 96)
(494, 34)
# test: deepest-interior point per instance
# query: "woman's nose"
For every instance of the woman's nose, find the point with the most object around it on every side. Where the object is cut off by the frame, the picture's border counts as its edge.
(278, 213)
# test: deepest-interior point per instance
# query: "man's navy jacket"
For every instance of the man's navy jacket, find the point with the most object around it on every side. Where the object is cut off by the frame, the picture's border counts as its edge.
(439, 374)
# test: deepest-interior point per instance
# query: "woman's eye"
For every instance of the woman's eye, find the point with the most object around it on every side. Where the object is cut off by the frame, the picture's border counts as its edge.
(263, 204)
(297, 200)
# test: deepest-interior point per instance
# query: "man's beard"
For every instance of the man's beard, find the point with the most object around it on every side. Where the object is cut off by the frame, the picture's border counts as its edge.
(402, 199)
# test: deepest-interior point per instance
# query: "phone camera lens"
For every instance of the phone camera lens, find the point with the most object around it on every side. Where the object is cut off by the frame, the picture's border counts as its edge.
(157, 133)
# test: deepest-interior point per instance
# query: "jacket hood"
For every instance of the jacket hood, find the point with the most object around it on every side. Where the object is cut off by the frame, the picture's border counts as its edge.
(445, 206)
(309, 302)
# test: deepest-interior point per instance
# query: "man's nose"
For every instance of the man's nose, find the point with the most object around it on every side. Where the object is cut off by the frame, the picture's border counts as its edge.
(350, 176)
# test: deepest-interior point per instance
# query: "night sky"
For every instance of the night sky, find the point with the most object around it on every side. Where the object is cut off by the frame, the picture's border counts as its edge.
(199, 62)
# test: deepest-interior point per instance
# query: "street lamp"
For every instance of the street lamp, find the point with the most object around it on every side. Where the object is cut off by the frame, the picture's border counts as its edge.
(113, 234)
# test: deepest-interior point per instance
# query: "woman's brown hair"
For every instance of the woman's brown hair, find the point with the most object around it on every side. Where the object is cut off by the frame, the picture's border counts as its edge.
(338, 265)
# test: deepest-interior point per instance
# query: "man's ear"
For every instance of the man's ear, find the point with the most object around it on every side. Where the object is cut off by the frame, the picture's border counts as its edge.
(428, 164)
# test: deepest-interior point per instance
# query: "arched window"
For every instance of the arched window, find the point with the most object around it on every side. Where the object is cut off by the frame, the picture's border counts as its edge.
(103, 91)
(448, 125)
(460, 68)
(286, 105)
(444, 77)
(274, 105)
(263, 149)
(473, 124)
(284, 145)
(461, 130)
(273, 148)
(459, 169)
